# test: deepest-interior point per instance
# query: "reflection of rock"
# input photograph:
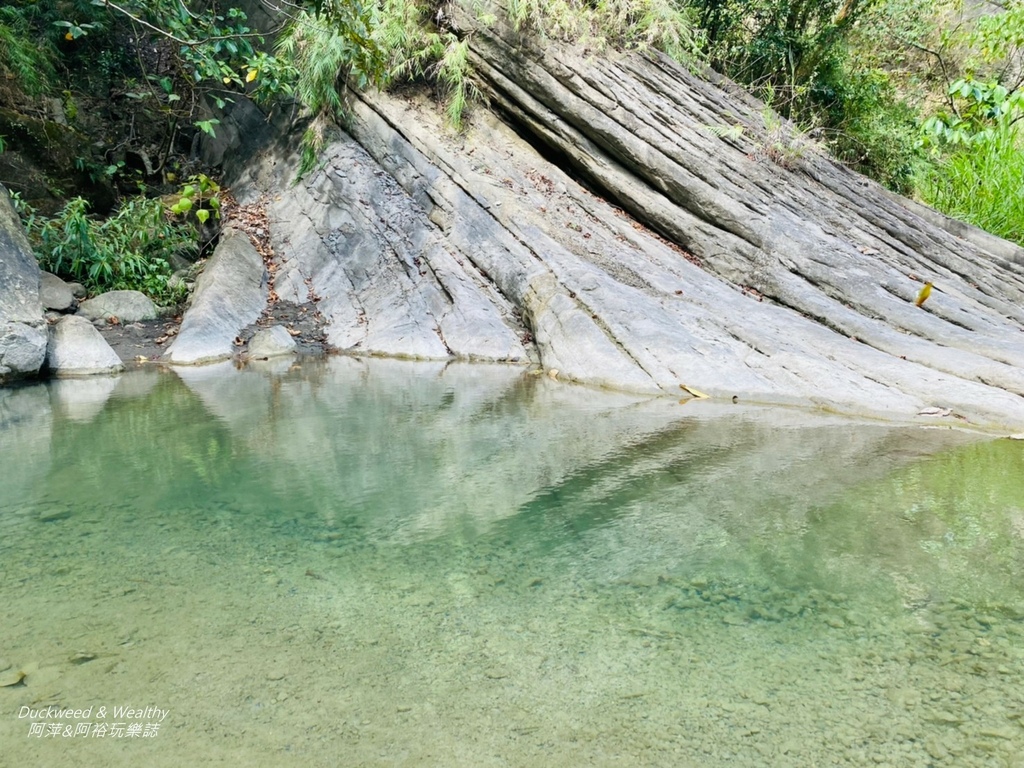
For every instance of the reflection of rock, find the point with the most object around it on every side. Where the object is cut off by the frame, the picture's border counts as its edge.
(76, 348)
(54, 293)
(138, 382)
(229, 295)
(82, 399)
(22, 343)
(409, 447)
(26, 423)
(271, 342)
(126, 306)
(271, 365)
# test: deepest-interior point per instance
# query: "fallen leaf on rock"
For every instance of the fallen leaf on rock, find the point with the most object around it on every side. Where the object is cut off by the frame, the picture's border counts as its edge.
(695, 392)
(553, 374)
(935, 411)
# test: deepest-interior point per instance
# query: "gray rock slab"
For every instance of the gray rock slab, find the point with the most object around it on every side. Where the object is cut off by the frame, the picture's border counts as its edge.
(768, 283)
(54, 293)
(21, 314)
(271, 342)
(76, 348)
(229, 295)
(126, 306)
(19, 272)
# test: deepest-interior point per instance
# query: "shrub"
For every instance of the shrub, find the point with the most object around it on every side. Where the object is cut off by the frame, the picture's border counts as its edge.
(129, 250)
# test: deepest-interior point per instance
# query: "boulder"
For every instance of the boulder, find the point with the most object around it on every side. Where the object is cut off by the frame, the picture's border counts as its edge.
(229, 295)
(76, 348)
(22, 340)
(55, 294)
(271, 342)
(126, 306)
(22, 350)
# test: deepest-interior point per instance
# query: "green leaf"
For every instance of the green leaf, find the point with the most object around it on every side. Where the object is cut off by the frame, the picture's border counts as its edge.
(202, 214)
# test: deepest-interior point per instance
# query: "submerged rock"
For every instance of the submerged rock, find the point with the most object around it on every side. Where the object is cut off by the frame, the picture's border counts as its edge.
(76, 348)
(126, 306)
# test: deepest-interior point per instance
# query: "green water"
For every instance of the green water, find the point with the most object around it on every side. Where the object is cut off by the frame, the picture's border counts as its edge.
(395, 564)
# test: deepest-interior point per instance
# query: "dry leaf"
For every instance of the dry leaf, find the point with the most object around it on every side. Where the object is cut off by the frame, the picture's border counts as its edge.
(695, 392)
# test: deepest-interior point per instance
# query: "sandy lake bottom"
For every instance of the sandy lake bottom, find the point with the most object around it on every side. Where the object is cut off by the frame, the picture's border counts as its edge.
(380, 563)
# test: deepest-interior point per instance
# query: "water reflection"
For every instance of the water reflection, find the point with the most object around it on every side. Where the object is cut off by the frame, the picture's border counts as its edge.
(468, 565)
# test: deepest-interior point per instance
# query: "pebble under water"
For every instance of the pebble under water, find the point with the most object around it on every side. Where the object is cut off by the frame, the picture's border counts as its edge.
(384, 563)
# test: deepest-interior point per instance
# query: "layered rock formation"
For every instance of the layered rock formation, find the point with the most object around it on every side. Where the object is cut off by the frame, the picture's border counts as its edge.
(627, 224)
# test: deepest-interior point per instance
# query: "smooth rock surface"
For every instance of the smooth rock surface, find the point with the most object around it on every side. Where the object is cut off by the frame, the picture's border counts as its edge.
(54, 293)
(126, 306)
(230, 294)
(76, 348)
(271, 342)
(22, 340)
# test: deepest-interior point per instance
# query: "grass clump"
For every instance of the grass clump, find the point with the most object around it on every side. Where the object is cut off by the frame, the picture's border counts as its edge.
(24, 58)
(982, 183)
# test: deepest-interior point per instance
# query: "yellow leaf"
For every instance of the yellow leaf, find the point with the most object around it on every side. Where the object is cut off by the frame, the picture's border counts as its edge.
(922, 297)
(251, 76)
(227, 81)
(695, 392)
(69, 36)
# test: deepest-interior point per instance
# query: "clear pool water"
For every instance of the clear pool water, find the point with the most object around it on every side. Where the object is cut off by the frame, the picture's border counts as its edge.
(381, 563)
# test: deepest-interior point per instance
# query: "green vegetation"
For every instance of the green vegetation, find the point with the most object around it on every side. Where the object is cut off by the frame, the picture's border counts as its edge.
(983, 183)
(24, 59)
(200, 197)
(131, 249)
(914, 93)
